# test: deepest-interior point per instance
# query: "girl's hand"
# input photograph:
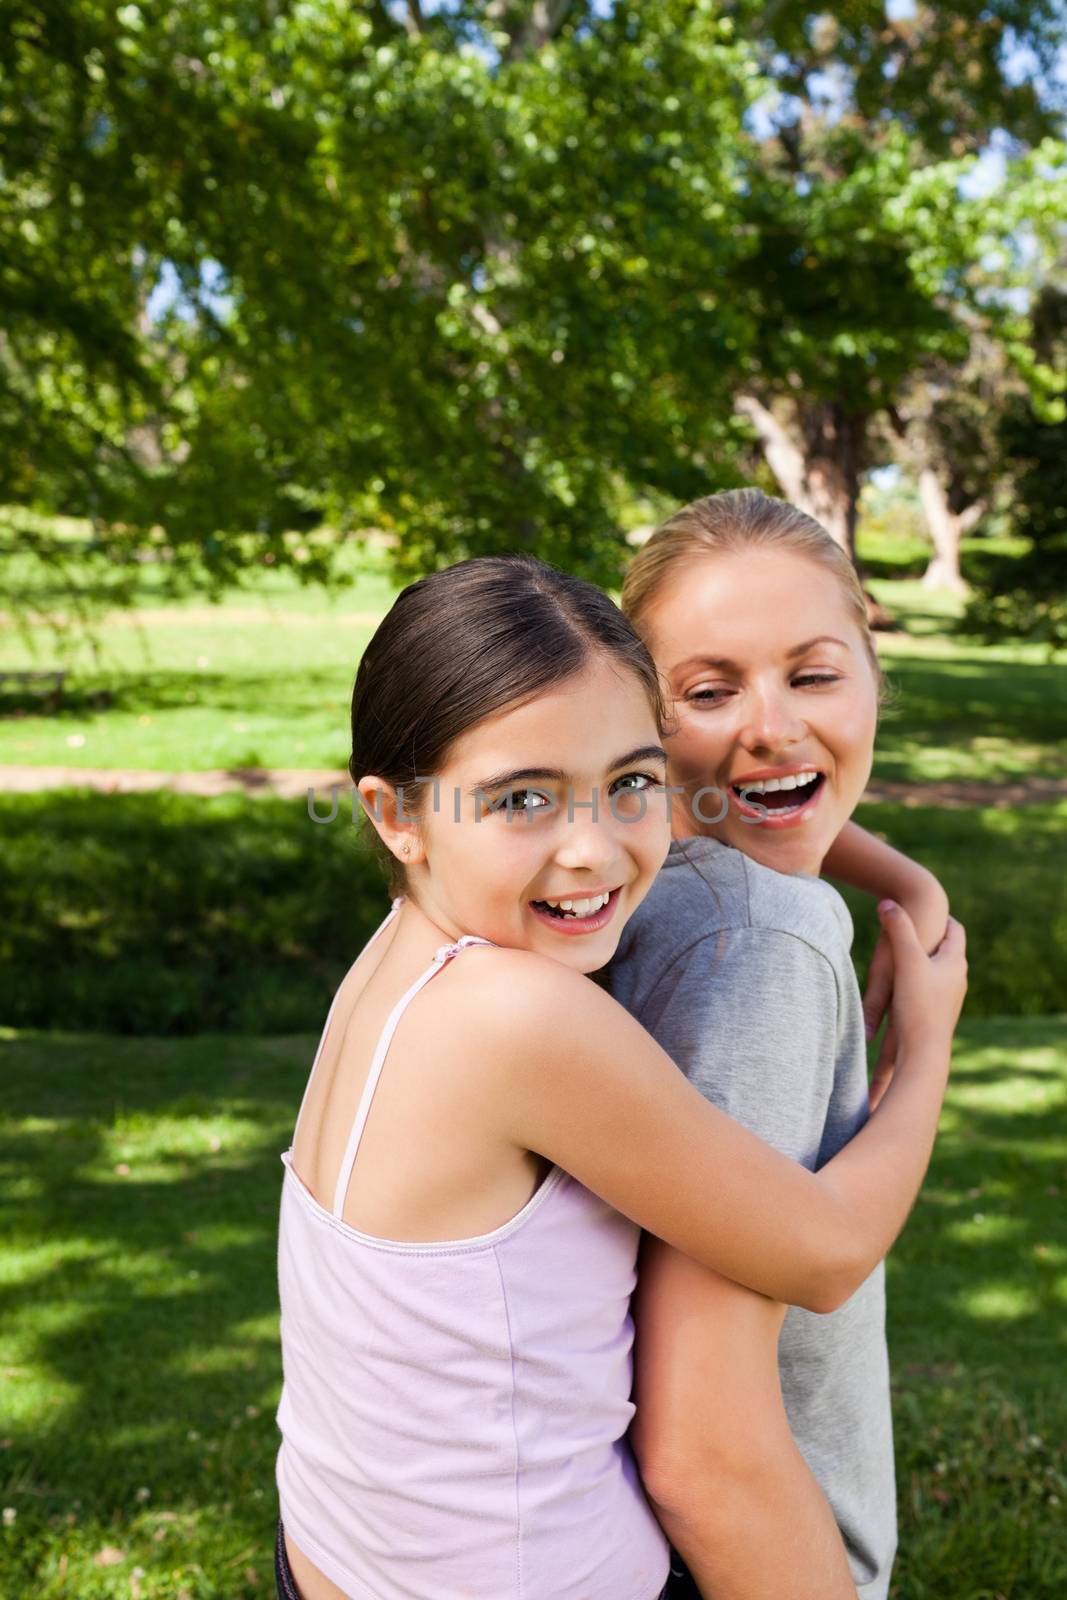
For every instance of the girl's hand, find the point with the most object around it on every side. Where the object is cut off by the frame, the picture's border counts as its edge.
(927, 905)
(928, 990)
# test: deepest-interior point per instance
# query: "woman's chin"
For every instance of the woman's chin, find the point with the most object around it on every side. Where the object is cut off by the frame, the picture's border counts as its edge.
(786, 850)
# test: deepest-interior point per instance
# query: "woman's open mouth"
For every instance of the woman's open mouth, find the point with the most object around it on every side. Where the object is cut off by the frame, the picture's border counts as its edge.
(779, 802)
(585, 914)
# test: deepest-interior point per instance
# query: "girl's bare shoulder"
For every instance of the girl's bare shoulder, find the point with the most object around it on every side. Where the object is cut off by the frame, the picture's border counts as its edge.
(489, 989)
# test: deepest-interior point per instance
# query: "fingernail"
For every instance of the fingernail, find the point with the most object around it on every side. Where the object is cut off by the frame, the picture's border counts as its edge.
(870, 1030)
(886, 908)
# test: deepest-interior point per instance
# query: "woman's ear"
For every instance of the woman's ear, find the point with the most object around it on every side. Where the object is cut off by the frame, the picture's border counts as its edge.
(396, 826)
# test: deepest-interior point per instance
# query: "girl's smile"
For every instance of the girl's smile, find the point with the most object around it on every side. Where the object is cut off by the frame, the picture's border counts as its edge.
(577, 915)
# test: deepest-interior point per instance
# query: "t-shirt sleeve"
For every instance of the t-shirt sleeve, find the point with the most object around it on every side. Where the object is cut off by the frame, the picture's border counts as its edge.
(751, 1017)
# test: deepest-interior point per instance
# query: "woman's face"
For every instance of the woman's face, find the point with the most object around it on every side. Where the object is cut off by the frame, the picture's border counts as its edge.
(775, 702)
(560, 799)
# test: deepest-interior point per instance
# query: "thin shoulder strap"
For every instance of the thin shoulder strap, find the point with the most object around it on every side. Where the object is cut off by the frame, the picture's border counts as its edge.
(394, 908)
(348, 1160)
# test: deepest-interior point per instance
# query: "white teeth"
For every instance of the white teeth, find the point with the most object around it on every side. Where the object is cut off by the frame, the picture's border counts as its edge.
(581, 908)
(793, 780)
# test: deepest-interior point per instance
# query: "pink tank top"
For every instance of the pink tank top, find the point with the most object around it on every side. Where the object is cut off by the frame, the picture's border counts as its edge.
(453, 1414)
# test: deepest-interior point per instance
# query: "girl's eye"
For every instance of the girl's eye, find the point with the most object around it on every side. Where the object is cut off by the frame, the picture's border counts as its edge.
(634, 782)
(818, 677)
(521, 800)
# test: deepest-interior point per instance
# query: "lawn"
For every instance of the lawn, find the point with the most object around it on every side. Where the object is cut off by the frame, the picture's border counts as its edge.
(140, 1180)
(195, 943)
(264, 679)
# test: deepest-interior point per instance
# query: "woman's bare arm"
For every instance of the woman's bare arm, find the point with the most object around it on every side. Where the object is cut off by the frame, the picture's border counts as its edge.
(718, 1460)
(858, 858)
(587, 1087)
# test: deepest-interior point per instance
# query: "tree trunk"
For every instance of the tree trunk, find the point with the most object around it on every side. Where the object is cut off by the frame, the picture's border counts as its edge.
(821, 474)
(818, 466)
(946, 529)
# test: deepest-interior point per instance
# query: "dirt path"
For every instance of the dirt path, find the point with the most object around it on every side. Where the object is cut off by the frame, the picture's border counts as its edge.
(293, 783)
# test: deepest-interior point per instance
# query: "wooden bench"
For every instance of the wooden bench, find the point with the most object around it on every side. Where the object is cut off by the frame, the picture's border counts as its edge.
(55, 676)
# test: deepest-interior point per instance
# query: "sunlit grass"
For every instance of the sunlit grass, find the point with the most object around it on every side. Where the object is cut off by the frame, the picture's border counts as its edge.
(139, 1329)
(264, 679)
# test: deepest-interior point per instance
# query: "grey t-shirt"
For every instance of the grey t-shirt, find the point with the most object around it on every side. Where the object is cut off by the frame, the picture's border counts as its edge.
(744, 976)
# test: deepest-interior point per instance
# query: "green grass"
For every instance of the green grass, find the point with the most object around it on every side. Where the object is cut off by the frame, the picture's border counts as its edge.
(140, 1183)
(265, 680)
(1006, 877)
(163, 913)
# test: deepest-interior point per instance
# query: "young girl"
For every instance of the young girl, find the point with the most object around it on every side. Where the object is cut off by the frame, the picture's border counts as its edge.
(456, 1334)
(738, 963)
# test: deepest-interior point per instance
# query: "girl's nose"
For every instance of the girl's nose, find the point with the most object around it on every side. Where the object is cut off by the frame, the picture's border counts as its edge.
(586, 838)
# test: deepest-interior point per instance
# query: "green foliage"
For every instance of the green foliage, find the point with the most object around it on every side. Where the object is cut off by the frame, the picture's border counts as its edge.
(1030, 598)
(461, 273)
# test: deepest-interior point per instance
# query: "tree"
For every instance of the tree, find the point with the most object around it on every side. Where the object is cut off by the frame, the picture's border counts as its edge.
(1030, 596)
(466, 269)
(467, 272)
(946, 429)
(868, 132)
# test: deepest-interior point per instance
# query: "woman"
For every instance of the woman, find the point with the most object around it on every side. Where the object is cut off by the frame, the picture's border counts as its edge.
(456, 1332)
(764, 1438)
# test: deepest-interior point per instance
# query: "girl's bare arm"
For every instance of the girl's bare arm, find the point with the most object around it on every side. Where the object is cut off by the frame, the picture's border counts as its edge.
(587, 1087)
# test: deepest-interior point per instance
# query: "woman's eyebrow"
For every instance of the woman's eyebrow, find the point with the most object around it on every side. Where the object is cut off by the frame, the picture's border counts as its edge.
(820, 638)
(499, 780)
(726, 661)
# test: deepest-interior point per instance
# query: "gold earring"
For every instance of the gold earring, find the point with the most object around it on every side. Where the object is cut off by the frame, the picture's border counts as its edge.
(404, 848)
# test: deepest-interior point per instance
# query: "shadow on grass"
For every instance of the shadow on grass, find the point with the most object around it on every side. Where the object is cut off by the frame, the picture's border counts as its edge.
(1006, 877)
(89, 698)
(978, 1329)
(162, 914)
(167, 914)
(966, 700)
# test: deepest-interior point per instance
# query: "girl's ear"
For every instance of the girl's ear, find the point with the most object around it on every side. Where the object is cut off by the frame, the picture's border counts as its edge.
(384, 804)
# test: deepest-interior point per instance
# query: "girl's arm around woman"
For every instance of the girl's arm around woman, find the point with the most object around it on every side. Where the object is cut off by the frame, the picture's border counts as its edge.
(597, 1095)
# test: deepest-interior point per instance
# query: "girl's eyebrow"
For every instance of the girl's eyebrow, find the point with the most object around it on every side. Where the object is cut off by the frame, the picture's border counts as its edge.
(643, 752)
(794, 650)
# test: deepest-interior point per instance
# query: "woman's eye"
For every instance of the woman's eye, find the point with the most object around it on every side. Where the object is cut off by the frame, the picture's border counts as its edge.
(708, 696)
(818, 677)
(634, 782)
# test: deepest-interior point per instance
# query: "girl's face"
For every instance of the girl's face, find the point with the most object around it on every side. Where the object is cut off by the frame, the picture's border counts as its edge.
(557, 800)
(775, 702)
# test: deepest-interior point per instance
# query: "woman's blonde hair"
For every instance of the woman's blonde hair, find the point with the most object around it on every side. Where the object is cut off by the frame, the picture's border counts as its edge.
(727, 523)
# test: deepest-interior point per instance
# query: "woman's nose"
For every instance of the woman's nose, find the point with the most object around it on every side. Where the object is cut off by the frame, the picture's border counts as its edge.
(770, 721)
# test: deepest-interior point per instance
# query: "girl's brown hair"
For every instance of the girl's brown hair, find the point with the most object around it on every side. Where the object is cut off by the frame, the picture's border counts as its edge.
(734, 521)
(469, 641)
